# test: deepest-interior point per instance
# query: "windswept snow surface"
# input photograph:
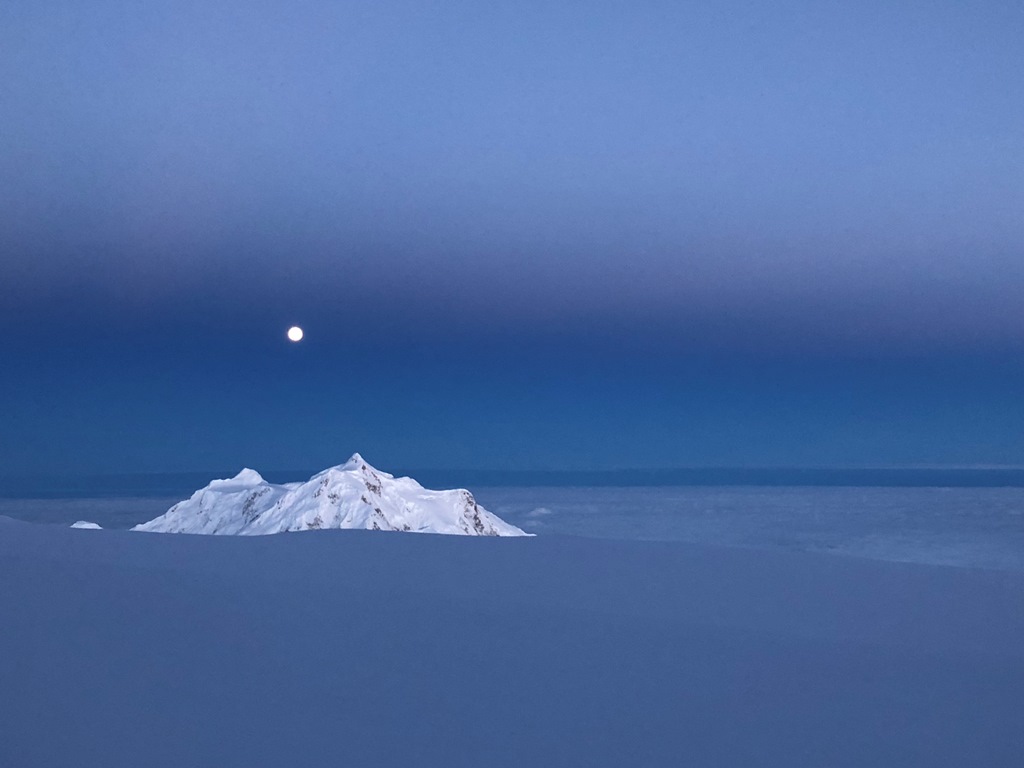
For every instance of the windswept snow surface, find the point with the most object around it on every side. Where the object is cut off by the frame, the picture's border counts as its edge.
(970, 527)
(350, 495)
(351, 648)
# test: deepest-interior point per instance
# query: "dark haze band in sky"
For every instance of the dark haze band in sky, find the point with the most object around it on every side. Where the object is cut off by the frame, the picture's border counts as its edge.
(517, 234)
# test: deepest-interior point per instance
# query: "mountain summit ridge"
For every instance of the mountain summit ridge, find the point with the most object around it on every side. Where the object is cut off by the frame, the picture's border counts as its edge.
(350, 495)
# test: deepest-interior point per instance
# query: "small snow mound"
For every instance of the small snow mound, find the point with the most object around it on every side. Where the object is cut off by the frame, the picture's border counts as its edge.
(87, 525)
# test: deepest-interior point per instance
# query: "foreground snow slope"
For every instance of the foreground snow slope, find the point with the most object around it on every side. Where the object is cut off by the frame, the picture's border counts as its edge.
(350, 495)
(353, 648)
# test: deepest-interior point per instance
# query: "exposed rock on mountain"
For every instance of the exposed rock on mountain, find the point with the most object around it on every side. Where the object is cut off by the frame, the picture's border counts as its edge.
(350, 495)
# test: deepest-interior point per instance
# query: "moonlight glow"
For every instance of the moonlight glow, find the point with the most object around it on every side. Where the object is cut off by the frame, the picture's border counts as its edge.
(295, 333)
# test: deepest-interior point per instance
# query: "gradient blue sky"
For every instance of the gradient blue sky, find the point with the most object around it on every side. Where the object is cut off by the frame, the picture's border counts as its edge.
(518, 234)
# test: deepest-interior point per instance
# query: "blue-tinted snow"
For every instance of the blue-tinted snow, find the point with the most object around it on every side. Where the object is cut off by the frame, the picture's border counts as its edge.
(125, 649)
(978, 527)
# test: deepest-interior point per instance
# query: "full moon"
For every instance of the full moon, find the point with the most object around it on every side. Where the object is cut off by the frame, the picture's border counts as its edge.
(295, 333)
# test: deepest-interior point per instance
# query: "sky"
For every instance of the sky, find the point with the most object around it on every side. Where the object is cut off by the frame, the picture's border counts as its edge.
(519, 235)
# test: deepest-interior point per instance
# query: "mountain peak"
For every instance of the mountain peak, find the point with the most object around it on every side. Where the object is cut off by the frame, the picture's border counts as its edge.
(247, 477)
(350, 495)
(356, 461)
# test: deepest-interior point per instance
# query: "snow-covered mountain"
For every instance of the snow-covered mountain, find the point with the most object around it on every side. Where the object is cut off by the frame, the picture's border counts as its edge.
(350, 495)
